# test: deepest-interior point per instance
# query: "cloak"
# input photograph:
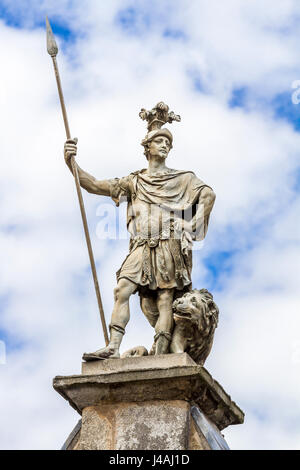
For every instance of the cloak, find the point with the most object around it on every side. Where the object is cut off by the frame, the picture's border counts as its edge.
(175, 191)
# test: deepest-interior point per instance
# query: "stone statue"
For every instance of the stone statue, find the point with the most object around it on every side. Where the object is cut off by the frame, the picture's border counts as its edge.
(128, 404)
(196, 318)
(167, 210)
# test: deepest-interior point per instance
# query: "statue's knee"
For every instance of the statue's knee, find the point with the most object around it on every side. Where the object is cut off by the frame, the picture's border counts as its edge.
(116, 293)
(121, 293)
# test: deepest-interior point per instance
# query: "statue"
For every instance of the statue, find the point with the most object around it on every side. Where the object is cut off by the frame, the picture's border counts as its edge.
(167, 210)
(125, 404)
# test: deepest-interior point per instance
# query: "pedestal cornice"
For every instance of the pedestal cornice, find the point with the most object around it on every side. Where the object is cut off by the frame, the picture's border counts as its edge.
(166, 377)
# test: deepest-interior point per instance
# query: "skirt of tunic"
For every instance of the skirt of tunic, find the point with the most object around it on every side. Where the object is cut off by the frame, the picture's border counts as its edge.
(163, 266)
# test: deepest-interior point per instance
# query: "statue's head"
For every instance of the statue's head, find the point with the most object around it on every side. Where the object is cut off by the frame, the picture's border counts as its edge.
(157, 137)
(158, 142)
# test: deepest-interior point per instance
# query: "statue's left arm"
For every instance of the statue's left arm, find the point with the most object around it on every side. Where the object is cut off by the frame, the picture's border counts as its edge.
(207, 198)
(204, 205)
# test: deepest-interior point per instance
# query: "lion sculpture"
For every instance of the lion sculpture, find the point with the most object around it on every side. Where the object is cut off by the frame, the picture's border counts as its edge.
(195, 320)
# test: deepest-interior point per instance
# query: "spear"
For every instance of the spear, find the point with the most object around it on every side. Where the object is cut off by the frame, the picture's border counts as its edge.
(53, 50)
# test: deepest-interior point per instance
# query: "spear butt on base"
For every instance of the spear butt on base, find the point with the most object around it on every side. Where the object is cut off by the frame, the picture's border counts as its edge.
(53, 50)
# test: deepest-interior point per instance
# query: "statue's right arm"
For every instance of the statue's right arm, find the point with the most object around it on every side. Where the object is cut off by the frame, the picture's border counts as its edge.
(87, 181)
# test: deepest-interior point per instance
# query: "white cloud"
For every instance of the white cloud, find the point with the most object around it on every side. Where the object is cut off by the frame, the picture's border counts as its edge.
(246, 156)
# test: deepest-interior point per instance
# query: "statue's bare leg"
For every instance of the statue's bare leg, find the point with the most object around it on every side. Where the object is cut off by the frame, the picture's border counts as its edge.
(164, 324)
(119, 319)
(149, 309)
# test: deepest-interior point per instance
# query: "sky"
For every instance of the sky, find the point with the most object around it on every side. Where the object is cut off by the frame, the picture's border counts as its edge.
(228, 69)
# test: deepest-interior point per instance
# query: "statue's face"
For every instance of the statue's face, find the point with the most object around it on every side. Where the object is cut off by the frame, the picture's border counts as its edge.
(159, 147)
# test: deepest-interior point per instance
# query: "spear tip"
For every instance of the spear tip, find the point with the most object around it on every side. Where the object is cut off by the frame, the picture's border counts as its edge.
(51, 43)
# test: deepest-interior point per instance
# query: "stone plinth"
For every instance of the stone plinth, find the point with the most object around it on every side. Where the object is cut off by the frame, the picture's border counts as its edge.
(163, 402)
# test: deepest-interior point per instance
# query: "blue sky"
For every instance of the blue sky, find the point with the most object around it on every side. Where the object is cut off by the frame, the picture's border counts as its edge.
(229, 73)
(18, 19)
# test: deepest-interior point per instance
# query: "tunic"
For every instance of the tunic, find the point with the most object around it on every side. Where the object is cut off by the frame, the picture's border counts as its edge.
(160, 255)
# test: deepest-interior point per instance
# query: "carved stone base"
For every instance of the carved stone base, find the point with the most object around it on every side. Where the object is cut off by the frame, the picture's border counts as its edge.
(163, 402)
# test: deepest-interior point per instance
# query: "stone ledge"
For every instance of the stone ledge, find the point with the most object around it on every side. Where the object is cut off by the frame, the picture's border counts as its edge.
(164, 361)
(168, 377)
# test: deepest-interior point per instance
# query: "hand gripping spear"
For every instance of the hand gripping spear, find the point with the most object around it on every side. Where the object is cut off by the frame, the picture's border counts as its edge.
(53, 50)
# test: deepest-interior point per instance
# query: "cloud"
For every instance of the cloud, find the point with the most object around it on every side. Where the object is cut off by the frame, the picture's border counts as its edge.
(222, 67)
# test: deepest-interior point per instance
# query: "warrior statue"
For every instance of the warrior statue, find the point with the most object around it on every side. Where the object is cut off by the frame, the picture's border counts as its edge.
(167, 210)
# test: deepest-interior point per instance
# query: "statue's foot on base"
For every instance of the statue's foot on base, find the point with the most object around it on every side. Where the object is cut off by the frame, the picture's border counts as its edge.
(100, 354)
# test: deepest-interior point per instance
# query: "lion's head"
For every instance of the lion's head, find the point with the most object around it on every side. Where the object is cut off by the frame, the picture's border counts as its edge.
(196, 318)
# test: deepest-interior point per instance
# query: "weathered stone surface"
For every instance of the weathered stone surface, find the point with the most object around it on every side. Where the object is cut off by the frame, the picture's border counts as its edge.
(155, 425)
(97, 430)
(147, 382)
(163, 361)
(131, 426)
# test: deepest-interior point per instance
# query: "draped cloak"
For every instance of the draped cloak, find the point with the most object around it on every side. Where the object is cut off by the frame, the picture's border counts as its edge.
(160, 254)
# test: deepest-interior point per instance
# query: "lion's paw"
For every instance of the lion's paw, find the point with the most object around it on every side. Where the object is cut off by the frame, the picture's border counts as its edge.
(135, 352)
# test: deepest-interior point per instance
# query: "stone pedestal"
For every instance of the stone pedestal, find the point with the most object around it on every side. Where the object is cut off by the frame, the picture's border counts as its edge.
(163, 402)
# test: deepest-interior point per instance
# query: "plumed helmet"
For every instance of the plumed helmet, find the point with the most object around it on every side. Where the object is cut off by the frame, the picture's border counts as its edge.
(156, 118)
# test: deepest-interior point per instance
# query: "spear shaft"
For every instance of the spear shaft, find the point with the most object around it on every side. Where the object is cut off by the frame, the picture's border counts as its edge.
(53, 50)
